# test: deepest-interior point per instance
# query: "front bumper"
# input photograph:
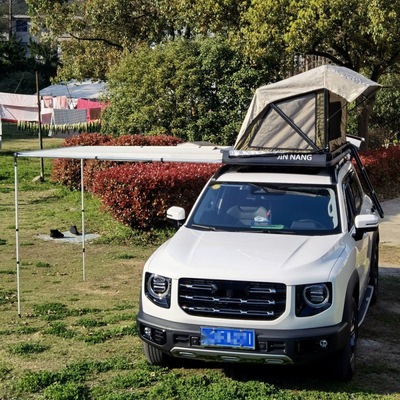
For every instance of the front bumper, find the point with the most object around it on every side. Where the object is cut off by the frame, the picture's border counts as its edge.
(295, 346)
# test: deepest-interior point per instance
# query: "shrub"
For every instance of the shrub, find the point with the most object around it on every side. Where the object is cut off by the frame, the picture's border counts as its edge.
(383, 168)
(68, 172)
(66, 391)
(139, 195)
(139, 140)
(23, 349)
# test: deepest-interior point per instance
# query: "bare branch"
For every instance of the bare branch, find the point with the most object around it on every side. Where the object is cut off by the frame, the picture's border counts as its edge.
(97, 39)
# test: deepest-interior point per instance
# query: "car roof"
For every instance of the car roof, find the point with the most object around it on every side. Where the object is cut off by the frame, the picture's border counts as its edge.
(316, 176)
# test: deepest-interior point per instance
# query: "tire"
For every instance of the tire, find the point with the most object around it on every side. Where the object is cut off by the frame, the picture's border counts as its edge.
(374, 274)
(344, 362)
(155, 356)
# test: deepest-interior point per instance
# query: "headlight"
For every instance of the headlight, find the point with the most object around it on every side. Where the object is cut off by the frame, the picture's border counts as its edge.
(312, 299)
(158, 289)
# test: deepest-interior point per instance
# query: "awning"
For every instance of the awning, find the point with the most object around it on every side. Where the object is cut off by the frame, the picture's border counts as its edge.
(182, 153)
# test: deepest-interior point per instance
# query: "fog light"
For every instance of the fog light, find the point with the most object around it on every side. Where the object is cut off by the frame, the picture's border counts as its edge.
(323, 343)
(147, 332)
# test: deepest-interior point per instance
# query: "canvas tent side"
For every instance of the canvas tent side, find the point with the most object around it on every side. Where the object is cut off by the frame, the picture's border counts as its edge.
(306, 112)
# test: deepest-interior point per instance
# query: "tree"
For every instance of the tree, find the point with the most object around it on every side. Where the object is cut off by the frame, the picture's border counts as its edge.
(17, 72)
(385, 119)
(196, 90)
(203, 17)
(359, 34)
(94, 33)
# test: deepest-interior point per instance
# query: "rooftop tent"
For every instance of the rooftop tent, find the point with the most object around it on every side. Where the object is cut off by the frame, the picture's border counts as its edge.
(306, 112)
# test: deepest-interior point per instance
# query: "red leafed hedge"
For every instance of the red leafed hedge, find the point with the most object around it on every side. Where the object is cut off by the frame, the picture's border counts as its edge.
(139, 195)
(383, 168)
(139, 140)
(68, 172)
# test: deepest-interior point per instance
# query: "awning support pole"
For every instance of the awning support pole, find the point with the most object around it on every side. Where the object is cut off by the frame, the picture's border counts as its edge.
(83, 224)
(17, 234)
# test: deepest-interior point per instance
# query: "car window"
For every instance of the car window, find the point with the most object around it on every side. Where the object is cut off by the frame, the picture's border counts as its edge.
(276, 208)
(356, 192)
(349, 203)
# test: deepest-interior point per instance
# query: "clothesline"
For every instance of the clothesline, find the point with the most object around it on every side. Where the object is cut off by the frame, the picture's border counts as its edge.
(20, 107)
(53, 109)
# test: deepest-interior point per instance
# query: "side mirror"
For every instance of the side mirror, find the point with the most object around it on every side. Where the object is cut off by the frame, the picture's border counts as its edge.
(177, 215)
(365, 223)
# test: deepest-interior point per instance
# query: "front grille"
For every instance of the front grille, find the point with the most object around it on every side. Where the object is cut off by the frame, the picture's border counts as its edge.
(232, 299)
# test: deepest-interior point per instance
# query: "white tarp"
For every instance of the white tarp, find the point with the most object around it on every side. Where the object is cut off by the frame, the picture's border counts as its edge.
(18, 107)
(339, 81)
(75, 89)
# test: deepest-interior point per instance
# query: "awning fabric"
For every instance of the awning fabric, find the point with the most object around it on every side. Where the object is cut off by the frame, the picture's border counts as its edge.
(181, 153)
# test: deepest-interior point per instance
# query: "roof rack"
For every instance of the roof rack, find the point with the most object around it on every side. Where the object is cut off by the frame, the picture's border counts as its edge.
(320, 158)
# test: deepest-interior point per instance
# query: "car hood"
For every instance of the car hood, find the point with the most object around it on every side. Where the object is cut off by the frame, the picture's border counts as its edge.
(247, 255)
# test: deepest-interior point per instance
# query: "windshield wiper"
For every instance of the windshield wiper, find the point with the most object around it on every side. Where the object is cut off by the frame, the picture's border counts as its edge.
(203, 227)
(274, 231)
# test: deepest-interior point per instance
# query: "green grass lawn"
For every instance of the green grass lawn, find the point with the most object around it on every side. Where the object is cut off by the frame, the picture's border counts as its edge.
(77, 339)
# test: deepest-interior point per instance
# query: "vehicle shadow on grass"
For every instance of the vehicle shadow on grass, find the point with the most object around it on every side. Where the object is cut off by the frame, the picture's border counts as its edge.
(311, 377)
(304, 377)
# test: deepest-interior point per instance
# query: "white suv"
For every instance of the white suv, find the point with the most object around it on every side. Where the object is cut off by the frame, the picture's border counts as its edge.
(276, 263)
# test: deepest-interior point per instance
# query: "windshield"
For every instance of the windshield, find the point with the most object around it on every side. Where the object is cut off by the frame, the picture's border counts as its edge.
(273, 208)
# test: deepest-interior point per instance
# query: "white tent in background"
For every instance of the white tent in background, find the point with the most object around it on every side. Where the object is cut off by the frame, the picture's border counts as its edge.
(76, 90)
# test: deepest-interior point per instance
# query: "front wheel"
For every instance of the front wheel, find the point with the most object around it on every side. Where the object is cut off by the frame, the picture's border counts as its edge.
(344, 362)
(155, 356)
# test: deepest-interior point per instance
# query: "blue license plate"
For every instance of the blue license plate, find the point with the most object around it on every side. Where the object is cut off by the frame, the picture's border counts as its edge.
(227, 337)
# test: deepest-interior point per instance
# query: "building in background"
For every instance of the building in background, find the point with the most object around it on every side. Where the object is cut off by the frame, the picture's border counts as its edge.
(14, 21)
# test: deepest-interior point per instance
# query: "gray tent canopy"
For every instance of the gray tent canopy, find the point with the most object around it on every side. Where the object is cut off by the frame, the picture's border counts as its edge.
(306, 112)
(87, 89)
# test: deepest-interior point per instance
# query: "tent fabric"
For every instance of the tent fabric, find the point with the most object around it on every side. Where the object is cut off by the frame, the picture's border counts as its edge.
(330, 85)
(20, 100)
(75, 89)
(67, 116)
(93, 108)
(18, 107)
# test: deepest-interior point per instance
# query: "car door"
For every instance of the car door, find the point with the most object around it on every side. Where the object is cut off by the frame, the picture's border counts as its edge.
(354, 197)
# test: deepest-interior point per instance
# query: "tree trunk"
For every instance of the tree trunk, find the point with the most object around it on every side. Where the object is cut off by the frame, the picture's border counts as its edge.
(363, 119)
